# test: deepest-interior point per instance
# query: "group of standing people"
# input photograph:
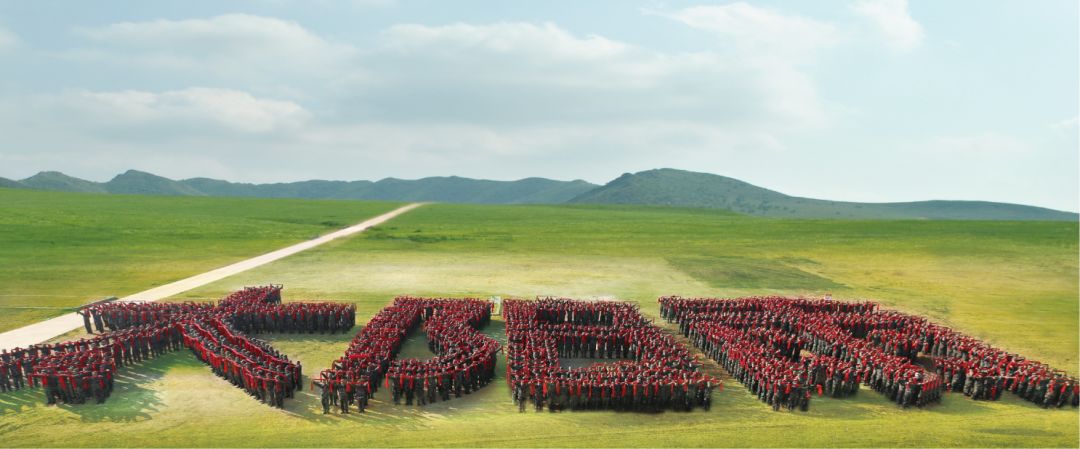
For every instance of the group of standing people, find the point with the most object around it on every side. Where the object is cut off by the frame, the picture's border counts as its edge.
(652, 371)
(130, 332)
(785, 349)
(973, 367)
(78, 371)
(246, 362)
(464, 362)
(252, 309)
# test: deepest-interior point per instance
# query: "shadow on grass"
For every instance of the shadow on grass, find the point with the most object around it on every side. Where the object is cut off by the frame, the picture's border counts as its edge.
(131, 399)
(21, 400)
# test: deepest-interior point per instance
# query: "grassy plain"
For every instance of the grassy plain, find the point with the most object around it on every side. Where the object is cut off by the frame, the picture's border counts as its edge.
(1012, 283)
(61, 250)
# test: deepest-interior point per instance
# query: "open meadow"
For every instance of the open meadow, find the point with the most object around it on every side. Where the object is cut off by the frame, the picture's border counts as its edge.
(62, 250)
(1013, 284)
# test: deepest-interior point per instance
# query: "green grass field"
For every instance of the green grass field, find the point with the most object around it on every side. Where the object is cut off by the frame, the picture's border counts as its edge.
(61, 250)
(1014, 284)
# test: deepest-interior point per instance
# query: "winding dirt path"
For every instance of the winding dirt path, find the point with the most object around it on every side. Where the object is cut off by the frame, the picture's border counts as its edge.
(44, 330)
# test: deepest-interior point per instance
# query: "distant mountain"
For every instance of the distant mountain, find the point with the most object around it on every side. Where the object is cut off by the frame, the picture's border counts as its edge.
(10, 184)
(653, 187)
(54, 180)
(690, 189)
(451, 189)
(142, 183)
(302, 189)
(454, 189)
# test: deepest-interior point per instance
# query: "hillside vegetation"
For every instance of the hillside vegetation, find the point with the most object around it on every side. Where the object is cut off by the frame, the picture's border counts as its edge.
(663, 187)
(689, 189)
(61, 250)
(53, 180)
(452, 189)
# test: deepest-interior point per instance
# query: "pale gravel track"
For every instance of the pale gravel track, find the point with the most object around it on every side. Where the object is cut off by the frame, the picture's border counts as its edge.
(51, 328)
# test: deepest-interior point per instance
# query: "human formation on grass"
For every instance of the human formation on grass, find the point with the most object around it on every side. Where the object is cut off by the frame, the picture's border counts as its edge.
(763, 341)
(464, 361)
(130, 332)
(784, 350)
(654, 371)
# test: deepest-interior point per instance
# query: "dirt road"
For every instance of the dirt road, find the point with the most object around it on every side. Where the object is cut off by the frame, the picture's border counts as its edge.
(42, 331)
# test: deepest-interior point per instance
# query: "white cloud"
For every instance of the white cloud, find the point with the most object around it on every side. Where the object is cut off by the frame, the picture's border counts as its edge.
(892, 19)
(225, 109)
(1067, 125)
(520, 73)
(512, 53)
(457, 97)
(725, 92)
(489, 74)
(237, 45)
(760, 32)
(546, 40)
(8, 39)
(766, 49)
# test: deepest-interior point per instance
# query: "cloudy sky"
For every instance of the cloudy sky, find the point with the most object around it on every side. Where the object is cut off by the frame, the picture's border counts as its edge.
(867, 100)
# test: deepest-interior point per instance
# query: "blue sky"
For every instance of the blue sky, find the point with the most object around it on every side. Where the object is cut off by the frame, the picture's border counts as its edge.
(865, 100)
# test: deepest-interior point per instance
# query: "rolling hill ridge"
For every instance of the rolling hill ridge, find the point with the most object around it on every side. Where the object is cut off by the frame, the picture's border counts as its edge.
(451, 189)
(663, 187)
(691, 189)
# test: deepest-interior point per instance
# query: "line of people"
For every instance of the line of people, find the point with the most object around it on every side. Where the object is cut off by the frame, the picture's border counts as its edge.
(294, 317)
(653, 371)
(247, 363)
(114, 316)
(464, 362)
(252, 309)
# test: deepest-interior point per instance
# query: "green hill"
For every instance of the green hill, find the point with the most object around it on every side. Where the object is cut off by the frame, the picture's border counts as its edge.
(54, 180)
(142, 183)
(302, 189)
(11, 184)
(661, 187)
(452, 189)
(690, 189)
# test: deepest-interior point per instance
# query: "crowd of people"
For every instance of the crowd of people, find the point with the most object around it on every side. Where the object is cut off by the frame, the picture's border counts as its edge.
(131, 332)
(252, 309)
(652, 371)
(464, 362)
(115, 316)
(971, 366)
(785, 349)
(75, 372)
